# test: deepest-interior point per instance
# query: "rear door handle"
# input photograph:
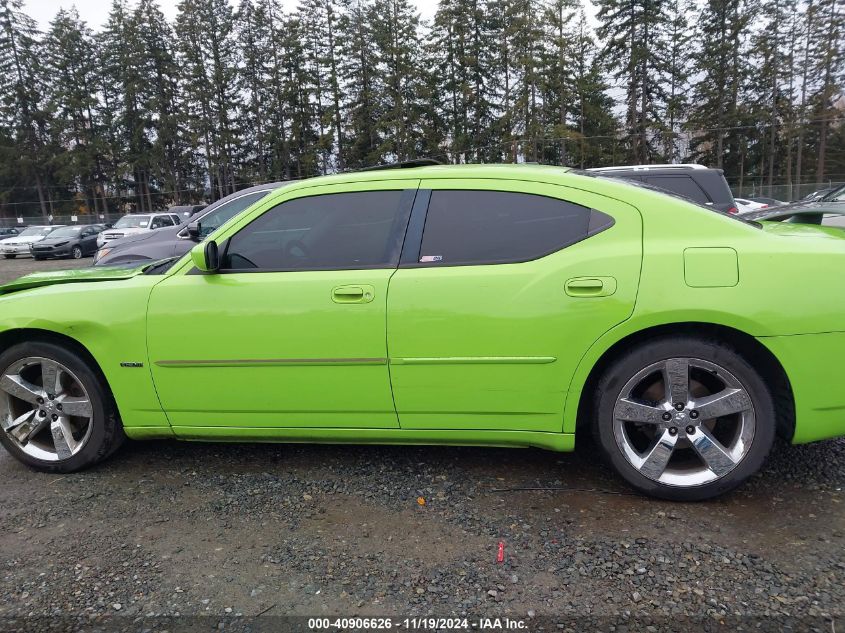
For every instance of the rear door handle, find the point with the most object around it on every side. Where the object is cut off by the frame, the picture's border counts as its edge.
(590, 286)
(353, 294)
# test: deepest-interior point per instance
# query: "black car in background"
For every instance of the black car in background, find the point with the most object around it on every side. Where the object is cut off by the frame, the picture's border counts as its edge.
(68, 241)
(178, 240)
(696, 182)
(8, 232)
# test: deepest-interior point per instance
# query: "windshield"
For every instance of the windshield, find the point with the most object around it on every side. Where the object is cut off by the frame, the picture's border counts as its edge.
(36, 230)
(837, 195)
(133, 222)
(66, 231)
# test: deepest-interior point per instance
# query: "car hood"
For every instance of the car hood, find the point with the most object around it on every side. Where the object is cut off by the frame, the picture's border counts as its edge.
(58, 240)
(50, 278)
(29, 239)
(143, 234)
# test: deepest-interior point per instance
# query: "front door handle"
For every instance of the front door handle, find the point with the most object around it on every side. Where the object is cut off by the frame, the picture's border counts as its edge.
(353, 294)
(590, 286)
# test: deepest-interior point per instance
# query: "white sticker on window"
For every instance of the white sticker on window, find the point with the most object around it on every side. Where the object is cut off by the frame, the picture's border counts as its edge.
(431, 258)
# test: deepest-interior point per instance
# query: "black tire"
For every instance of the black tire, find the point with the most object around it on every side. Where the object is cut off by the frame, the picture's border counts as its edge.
(76, 252)
(9, 256)
(626, 366)
(38, 259)
(106, 433)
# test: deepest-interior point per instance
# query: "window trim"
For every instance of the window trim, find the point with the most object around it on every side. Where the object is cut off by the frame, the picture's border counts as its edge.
(395, 245)
(410, 257)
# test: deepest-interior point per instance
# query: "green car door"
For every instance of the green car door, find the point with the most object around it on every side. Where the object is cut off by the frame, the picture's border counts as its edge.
(290, 332)
(499, 295)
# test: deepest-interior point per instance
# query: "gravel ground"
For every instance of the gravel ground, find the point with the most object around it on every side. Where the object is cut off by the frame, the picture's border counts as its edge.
(165, 531)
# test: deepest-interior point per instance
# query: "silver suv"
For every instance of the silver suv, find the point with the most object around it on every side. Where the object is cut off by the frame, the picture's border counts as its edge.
(135, 223)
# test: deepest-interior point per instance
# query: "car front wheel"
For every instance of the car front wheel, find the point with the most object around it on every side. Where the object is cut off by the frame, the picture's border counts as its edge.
(9, 256)
(683, 418)
(56, 414)
(76, 252)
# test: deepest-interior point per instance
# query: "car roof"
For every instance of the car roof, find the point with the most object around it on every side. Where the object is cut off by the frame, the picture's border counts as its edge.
(613, 187)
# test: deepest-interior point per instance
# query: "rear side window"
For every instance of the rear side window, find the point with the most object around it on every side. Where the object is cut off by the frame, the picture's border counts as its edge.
(331, 231)
(682, 185)
(497, 227)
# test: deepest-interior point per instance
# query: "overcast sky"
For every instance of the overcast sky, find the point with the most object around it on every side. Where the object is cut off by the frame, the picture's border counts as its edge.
(96, 12)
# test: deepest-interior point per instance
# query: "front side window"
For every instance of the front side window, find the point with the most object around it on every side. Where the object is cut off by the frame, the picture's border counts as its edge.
(493, 227)
(213, 220)
(324, 232)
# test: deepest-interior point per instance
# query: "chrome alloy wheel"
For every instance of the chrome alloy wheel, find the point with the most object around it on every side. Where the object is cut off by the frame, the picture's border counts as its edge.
(684, 422)
(44, 408)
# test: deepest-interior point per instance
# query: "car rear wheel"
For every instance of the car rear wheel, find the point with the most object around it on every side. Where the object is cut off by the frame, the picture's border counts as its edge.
(55, 413)
(76, 252)
(683, 418)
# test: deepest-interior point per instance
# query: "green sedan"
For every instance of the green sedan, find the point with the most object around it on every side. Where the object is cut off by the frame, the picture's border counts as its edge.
(463, 305)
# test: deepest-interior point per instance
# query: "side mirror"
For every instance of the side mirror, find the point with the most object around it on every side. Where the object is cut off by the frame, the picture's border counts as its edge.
(194, 230)
(206, 257)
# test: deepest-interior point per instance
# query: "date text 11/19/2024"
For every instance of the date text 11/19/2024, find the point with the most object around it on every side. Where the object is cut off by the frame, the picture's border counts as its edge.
(416, 624)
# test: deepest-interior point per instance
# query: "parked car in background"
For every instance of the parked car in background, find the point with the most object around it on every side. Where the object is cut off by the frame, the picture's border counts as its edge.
(185, 211)
(805, 214)
(6, 233)
(175, 241)
(695, 182)
(827, 211)
(135, 223)
(21, 244)
(772, 202)
(68, 241)
(746, 205)
(817, 195)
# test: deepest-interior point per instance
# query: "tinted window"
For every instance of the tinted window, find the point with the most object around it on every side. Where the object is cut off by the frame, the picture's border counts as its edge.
(347, 230)
(488, 227)
(682, 185)
(215, 219)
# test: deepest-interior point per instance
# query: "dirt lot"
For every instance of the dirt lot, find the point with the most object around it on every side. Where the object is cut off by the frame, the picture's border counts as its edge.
(233, 531)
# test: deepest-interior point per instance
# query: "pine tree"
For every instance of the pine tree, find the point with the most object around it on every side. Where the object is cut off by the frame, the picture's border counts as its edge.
(123, 95)
(721, 63)
(634, 33)
(559, 58)
(207, 54)
(70, 63)
(593, 109)
(253, 37)
(22, 109)
(829, 54)
(462, 54)
(169, 158)
(359, 72)
(677, 44)
(320, 20)
(395, 32)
